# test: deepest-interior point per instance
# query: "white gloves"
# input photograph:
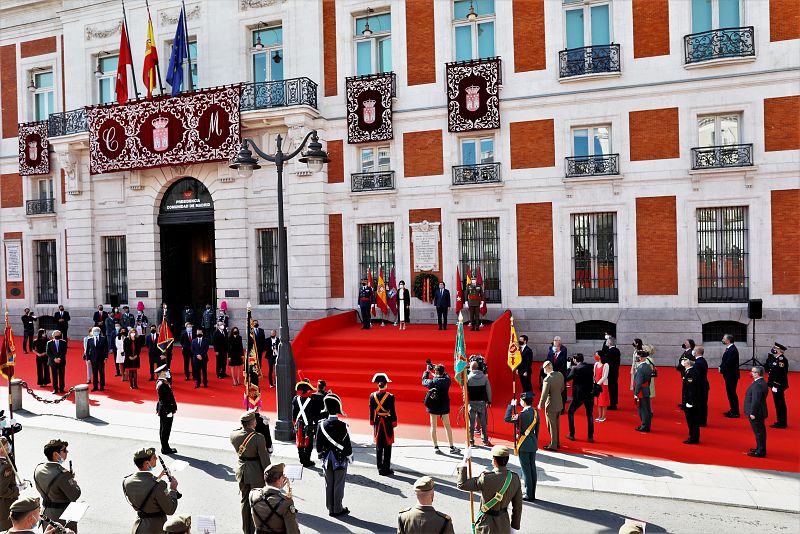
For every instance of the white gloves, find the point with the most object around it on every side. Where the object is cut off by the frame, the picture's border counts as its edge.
(270, 450)
(688, 405)
(467, 453)
(514, 402)
(774, 390)
(350, 459)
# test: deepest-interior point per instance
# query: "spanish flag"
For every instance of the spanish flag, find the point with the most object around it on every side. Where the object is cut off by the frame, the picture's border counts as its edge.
(7, 352)
(381, 300)
(150, 60)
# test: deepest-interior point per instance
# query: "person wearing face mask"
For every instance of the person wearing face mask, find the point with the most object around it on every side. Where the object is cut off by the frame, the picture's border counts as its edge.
(187, 336)
(57, 360)
(165, 408)
(403, 305)
(86, 359)
(690, 398)
(55, 483)
(62, 320)
(701, 366)
(99, 317)
(729, 369)
(273, 345)
(688, 348)
(96, 354)
(40, 352)
(220, 341)
(200, 359)
(475, 301)
(154, 355)
(25, 517)
(208, 321)
(603, 400)
(261, 342)
(557, 354)
(778, 368)
(112, 326)
(133, 349)
(148, 494)
(366, 301)
(612, 356)
(525, 368)
(119, 352)
(441, 300)
(236, 356)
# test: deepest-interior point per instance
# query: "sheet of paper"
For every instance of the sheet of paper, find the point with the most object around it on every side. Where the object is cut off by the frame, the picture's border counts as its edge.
(178, 466)
(293, 472)
(204, 524)
(74, 512)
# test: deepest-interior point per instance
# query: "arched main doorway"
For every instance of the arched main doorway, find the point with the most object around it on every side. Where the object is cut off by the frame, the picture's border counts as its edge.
(188, 272)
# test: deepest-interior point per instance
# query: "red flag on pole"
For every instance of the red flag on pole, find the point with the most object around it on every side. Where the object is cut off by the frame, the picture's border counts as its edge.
(479, 280)
(7, 352)
(392, 296)
(459, 293)
(123, 63)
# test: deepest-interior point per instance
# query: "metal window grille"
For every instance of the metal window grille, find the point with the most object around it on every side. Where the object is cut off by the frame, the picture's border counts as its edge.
(594, 257)
(268, 266)
(115, 266)
(479, 246)
(714, 331)
(722, 250)
(46, 272)
(376, 250)
(594, 330)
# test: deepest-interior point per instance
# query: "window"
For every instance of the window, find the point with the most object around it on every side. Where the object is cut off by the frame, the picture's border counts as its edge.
(46, 272)
(718, 130)
(714, 14)
(594, 257)
(376, 249)
(591, 141)
(479, 246)
(115, 269)
(477, 150)
(43, 99)
(374, 50)
(587, 25)
(713, 331)
(474, 40)
(268, 266)
(722, 251)
(268, 56)
(193, 55)
(44, 188)
(594, 330)
(107, 81)
(375, 159)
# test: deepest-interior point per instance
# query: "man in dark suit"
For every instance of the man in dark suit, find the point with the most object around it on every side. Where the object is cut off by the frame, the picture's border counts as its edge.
(755, 408)
(261, 342)
(57, 360)
(273, 345)
(557, 354)
(691, 391)
(97, 353)
(613, 358)
(525, 369)
(99, 318)
(200, 359)
(155, 357)
(729, 367)
(442, 302)
(582, 377)
(701, 367)
(62, 321)
(187, 336)
(165, 408)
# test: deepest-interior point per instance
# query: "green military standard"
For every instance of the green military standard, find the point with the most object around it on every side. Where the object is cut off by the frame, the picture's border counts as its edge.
(499, 488)
(55, 483)
(253, 458)
(475, 300)
(148, 495)
(9, 491)
(423, 518)
(273, 510)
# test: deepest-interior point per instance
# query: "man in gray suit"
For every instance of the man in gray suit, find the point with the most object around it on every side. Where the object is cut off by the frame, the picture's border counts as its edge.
(755, 409)
(552, 402)
(641, 390)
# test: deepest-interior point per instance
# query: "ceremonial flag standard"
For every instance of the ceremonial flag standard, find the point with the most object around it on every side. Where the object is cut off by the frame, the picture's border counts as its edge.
(381, 293)
(469, 275)
(514, 358)
(150, 60)
(124, 61)
(479, 279)
(7, 352)
(177, 57)
(459, 292)
(164, 335)
(392, 296)
(460, 354)
(371, 286)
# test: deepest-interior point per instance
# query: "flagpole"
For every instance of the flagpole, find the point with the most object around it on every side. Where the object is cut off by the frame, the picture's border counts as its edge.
(465, 392)
(158, 67)
(247, 353)
(128, 38)
(188, 52)
(11, 457)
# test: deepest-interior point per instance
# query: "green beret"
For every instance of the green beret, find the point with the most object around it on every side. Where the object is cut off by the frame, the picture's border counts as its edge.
(248, 416)
(500, 451)
(424, 484)
(178, 523)
(24, 505)
(144, 454)
(274, 468)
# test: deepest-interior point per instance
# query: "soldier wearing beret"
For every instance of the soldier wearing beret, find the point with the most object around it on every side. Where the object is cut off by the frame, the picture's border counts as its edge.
(691, 398)
(55, 483)
(253, 458)
(181, 524)
(383, 418)
(148, 495)
(423, 518)
(499, 488)
(778, 368)
(9, 491)
(25, 514)
(273, 510)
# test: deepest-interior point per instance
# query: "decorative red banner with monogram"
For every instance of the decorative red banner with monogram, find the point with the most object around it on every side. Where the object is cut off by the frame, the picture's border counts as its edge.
(473, 95)
(369, 107)
(181, 130)
(33, 156)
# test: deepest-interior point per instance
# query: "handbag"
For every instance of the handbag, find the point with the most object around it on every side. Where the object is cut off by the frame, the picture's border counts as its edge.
(597, 389)
(431, 399)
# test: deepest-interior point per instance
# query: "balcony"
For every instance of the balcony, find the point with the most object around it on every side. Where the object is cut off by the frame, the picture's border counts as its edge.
(42, 206)
(722, 157)
(361, 182)
(601, 165)
(67, 123)
(589, 60)
(277, 94)
(477, 174)
(724, 43)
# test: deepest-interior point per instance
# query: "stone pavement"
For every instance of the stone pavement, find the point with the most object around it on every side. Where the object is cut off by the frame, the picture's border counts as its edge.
(748, 488)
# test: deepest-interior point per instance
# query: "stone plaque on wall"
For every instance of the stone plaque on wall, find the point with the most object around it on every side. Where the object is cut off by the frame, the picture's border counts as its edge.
(425, 237)
(13, 261)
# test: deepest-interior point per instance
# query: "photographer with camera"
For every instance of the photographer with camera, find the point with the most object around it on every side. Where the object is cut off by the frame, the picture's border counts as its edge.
(437, 402)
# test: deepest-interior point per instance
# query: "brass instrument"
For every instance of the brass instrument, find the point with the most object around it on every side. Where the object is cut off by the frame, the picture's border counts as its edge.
(61, 529)
(169, 475)
(288, 488)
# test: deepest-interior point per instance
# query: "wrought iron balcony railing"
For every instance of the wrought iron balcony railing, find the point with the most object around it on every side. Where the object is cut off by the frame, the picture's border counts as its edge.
(40, 206)
(377, 75)
(601, 165)
(371, 181)
(597, 59)
(67, 123)
(720, 157)
(479, 173)
(277, 94)
(719, 44)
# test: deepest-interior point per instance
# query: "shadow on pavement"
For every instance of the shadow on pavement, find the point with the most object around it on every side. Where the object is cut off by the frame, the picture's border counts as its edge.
(218, 471)
(631, 465)
(361, 480)
(602, 518)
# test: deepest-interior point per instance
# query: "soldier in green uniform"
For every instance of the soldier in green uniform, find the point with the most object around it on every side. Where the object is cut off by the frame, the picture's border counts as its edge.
(149, 495)
(474, 302)
(423, 518)
(180, 524)
(273, 510)
(253, 458)
(499, 488)
(9, 491)
(25, 515)
(55, 483)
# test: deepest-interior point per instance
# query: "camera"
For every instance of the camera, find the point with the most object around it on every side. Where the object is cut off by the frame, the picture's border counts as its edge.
(8, 427)
(430, 364)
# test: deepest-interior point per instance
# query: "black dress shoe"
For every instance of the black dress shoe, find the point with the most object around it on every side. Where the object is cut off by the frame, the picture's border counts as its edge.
(691, 442)
(754, 454)
(169, 451)
(777, 425)
(640, 429)
(732, 415)
(196, 386)
(344, 511)
(529, 499)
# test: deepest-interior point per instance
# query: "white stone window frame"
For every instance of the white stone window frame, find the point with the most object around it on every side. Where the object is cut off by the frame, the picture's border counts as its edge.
(374, 39)
(715, 15)
(586, 6)
(96, 56)
(747, 121)
(376, 148)
(167, 48)
(492, 17)
(37, 65)
(590, 127)
(268, 50)
(476, 137)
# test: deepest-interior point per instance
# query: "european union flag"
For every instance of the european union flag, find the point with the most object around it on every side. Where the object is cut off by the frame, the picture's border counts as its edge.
(177, 57)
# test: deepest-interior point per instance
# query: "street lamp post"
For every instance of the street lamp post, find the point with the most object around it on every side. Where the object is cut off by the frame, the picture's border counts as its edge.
(245, 164)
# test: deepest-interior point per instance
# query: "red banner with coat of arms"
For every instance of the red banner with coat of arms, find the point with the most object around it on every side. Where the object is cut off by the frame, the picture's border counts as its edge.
(473, 95)
(369, 108)
(181, 130)
(33, 146)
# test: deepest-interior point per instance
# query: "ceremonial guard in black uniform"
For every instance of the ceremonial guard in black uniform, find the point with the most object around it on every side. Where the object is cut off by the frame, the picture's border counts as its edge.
(305, 414)
(150, 496)
(366, 300)
(336, 452)
(778, 369)
(273, 510)
(383, 418)
(55, 483)
(691, 395)
(165, 408)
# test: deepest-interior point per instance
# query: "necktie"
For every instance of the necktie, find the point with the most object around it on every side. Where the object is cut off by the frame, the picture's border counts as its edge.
(56, 346)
